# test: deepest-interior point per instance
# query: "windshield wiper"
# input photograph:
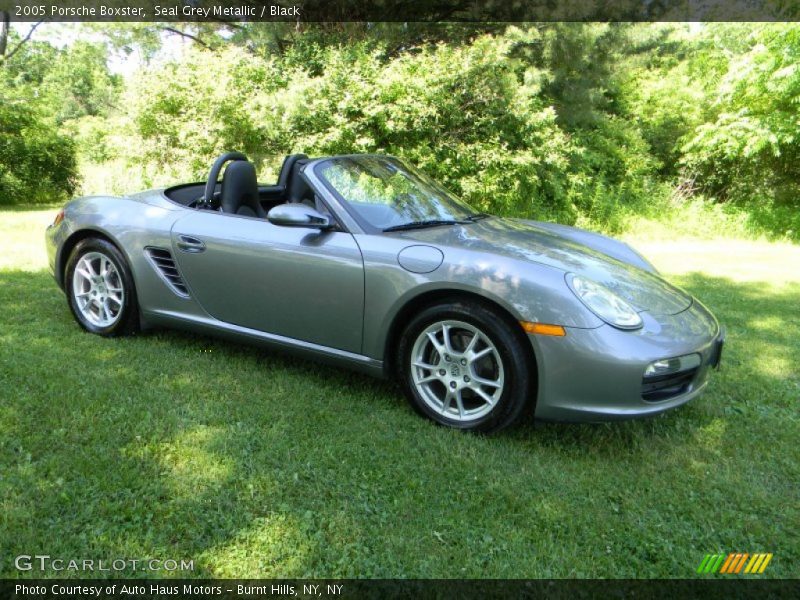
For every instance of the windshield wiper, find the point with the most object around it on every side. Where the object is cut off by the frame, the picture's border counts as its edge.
(477, 217)
(424, 224)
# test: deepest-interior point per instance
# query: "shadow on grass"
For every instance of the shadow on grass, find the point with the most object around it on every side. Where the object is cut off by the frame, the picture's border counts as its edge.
(169, 445)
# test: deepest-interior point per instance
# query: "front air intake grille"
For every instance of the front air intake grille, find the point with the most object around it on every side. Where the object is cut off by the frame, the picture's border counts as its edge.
(664, 387)
(165, 266)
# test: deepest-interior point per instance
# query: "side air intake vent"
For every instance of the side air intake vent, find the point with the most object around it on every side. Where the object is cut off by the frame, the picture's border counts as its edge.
(165, 266)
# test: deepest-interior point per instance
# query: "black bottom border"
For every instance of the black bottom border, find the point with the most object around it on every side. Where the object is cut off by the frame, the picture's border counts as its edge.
(234, 589)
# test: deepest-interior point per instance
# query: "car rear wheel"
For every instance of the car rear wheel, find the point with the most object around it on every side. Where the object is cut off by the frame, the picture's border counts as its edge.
(100, 289)
(463, 366)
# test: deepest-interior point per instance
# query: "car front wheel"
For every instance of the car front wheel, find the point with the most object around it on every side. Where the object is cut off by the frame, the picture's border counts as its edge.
(100, 289)
(463, 366)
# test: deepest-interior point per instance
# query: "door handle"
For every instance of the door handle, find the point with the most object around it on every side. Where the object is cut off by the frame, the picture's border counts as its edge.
(190, 244)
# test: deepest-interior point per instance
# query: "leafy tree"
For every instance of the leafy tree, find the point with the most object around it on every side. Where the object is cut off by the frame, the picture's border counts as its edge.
(751, 147)
(37, 165)
(579, 122)
(78, 83)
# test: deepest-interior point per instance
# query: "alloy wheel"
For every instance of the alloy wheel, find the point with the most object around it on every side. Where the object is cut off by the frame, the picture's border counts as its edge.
(97, 289)
(457, 370)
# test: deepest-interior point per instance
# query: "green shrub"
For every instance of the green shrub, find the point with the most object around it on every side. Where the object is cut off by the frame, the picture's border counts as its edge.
(749, 152)
(580, 123)
(37, 165)
(473, 116)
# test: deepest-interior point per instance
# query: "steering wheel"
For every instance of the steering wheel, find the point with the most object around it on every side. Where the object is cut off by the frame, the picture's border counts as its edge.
(214, 174)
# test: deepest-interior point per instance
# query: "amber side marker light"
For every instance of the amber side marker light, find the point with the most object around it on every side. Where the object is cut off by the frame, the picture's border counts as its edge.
(59, 218)
(543, 328)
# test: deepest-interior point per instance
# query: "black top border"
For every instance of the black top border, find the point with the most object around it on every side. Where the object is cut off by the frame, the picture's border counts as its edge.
(466, 11)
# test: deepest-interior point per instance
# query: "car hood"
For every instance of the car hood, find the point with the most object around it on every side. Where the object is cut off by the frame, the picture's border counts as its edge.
(527, 241)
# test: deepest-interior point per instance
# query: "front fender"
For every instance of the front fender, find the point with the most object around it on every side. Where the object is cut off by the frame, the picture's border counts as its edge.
(526, 291)
(599, 242)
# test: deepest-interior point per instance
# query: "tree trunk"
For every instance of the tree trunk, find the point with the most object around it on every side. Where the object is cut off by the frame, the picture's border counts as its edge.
(6, 56)
(5, 20)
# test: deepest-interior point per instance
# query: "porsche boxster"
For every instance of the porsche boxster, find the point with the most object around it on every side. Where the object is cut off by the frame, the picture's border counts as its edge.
(365, 262)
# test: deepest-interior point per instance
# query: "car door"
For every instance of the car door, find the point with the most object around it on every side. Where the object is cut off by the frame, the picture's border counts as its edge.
(300, 283)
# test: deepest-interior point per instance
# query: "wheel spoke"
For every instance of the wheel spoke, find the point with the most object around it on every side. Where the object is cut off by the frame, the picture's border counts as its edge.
(424, 365)
(84, 273)
(486, 397)
(439, 348)
(448, 400)
(488, 382)
(432, 376)
(471, 346)
(448, 346)
(114, 299)
(459, 403)
(482, 353)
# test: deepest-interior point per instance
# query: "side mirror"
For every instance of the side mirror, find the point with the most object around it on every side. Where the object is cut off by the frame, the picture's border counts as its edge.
(298, 215)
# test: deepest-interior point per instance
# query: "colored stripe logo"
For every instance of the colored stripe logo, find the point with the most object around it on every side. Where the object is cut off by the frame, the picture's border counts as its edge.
(734, 563)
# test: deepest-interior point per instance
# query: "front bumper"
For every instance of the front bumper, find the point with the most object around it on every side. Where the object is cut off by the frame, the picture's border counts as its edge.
(54, 237)
(597, 374)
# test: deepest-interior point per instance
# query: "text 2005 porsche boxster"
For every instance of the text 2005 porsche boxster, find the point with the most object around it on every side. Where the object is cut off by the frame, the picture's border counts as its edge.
(362, 261)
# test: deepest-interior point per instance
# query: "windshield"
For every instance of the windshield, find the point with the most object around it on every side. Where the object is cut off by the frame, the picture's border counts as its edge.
(385, 193)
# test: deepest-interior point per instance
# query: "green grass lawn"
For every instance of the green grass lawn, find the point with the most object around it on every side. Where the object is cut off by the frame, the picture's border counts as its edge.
(252, 464)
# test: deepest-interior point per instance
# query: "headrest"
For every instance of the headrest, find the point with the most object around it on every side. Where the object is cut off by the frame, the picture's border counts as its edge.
(286, 168)
(240, 188)
(298, 189)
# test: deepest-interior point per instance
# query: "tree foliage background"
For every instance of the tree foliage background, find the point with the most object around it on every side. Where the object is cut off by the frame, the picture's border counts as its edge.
(580, 123)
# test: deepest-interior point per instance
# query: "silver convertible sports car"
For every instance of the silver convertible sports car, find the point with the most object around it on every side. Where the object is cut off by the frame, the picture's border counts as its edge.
(363, 261)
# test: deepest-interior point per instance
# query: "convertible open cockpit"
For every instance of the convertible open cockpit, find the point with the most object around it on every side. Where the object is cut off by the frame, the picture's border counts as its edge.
(239, 192)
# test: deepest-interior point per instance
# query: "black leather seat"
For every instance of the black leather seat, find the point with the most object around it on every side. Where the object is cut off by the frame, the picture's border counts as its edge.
(239, 195)
(287, 167)
(298, 190)
(295, 188)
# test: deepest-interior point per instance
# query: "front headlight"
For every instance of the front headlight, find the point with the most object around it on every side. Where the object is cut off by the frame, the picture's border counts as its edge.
(604, 303)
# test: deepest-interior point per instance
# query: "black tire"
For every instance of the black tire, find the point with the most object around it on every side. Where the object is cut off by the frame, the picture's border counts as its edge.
(509, 345)
(126, 320)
